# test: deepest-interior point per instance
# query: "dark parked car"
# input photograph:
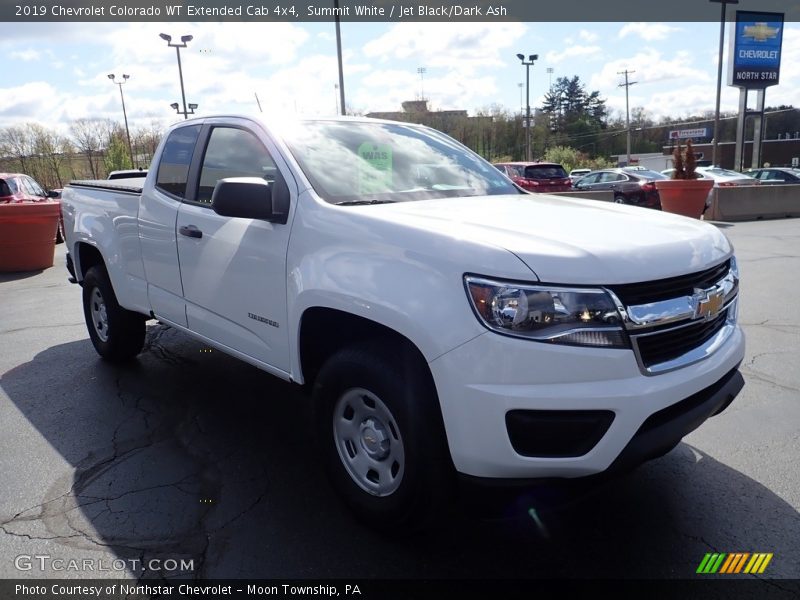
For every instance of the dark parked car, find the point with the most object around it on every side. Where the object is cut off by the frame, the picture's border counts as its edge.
(775, 175)
(630, 186)
(16, 187)
(537, 176)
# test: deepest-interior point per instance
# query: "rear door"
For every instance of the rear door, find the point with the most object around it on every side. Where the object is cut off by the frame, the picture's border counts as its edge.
(233, 270)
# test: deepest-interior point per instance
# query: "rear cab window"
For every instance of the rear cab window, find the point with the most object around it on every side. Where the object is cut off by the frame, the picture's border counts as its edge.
(173, 167)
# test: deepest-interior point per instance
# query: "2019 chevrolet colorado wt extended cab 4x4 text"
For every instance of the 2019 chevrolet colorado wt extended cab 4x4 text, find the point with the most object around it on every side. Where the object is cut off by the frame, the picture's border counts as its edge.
(447, 322)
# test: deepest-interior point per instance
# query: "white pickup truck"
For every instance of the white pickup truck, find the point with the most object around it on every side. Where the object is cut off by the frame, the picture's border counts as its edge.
(447, 322)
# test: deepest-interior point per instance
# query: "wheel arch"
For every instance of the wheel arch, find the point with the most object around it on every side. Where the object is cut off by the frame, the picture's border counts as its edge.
(88, 256)
(323, 331)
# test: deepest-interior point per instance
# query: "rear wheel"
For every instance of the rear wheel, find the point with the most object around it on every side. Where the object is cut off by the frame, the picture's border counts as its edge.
(379, 423)
(619, 199)
(116, 333)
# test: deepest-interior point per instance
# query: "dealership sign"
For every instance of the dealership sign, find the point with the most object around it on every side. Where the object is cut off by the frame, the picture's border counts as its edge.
(683, 134)
(755, 59)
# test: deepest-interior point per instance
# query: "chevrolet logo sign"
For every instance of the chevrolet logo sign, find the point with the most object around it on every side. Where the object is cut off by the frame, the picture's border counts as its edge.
(760, 32)
(708, 303)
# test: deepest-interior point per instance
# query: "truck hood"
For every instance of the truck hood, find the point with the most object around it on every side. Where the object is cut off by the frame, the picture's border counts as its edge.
(572, 241)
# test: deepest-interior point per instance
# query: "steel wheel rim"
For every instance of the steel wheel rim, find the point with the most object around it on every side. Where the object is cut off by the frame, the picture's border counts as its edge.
(99, 315)
(368, 441)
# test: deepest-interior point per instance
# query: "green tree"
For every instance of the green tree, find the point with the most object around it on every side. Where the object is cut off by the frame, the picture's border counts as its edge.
(575, 116)
(117, 156)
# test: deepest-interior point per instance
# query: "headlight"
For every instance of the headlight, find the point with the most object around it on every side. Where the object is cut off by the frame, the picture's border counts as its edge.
(571, 316)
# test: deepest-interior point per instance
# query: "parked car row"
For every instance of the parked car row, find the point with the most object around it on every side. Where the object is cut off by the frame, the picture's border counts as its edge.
(630, 185)
(543, 177)
(775, 175)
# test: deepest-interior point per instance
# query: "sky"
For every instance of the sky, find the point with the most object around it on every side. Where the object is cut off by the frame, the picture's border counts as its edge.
(56, 72)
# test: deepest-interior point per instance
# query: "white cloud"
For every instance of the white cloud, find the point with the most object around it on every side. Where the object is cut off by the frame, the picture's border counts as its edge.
(555, 57)
(648, 31)
(460, 59)
(650, 67)
(588, 36)
(458, 46)
(26, 55)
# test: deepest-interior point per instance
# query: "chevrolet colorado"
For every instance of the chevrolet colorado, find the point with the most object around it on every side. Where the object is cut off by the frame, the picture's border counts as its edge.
(446, 321)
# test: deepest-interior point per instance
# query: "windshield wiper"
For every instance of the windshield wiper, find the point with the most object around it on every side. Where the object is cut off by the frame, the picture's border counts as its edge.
(360, 202)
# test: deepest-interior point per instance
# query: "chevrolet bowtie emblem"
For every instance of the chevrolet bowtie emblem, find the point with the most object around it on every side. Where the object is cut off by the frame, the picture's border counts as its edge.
(708, 303)
(760, 32)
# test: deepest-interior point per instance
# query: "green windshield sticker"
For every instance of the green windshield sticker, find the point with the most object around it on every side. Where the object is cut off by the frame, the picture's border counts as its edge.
(375, 168)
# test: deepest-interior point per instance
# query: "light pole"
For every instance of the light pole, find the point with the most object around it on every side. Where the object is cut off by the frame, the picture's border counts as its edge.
(185, 113)
(422, 71)
(528, 64)
(715, 141)
(550, 73)
(125, 78)
(184, 40)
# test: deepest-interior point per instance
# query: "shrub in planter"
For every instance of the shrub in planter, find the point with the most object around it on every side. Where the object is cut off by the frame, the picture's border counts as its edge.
(684, 194)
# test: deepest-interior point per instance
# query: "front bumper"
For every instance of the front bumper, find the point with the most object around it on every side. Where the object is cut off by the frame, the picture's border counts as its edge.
(481, 382)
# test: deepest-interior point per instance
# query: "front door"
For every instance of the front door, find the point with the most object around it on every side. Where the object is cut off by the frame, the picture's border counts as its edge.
(234, 270)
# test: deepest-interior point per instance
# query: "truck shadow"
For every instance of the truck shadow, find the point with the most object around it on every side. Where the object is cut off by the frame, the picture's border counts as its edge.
(190, 454)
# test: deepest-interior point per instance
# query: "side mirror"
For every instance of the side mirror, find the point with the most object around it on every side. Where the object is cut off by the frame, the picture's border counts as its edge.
(245, 198)
(53, 194)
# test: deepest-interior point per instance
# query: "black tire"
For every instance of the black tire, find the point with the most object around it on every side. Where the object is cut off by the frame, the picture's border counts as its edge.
(619, 199)
(116, 333)
(60, 231)
(400, 380)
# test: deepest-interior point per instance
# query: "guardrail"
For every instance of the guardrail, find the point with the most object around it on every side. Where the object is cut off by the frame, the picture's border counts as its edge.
(751, 203)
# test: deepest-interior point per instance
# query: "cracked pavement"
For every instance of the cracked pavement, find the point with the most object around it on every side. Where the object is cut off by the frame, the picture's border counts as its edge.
(189, 454)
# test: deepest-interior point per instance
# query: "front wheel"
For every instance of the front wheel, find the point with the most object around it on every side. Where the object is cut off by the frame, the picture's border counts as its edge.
(116, 333)
(382, 436)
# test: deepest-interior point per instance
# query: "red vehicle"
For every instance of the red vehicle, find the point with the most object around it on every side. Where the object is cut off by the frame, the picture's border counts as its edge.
(537, 176)
(16, 187)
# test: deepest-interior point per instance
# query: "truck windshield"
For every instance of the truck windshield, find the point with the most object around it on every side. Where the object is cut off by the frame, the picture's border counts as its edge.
(352, 162)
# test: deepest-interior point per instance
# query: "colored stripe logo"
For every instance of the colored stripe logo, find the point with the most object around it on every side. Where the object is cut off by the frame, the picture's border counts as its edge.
(735, 562)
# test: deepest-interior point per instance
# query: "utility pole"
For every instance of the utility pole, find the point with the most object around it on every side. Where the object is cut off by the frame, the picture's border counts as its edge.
(342, 106)
(715, 142)
(626, 85)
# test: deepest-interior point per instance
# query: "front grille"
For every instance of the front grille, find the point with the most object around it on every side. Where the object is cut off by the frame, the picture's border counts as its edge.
(673, 287)
(667, 345)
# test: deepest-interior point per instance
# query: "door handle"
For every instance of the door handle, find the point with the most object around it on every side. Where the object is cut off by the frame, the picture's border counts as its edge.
(190, 231)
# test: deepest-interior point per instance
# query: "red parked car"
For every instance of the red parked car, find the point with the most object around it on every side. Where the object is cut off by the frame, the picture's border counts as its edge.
(537, 176)
(16, 187)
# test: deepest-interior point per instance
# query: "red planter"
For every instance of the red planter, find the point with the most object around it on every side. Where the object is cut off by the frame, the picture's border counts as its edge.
(685, 197)
(27, 235)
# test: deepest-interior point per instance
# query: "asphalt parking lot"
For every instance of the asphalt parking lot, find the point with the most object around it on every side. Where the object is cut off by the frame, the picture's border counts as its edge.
(189, 454)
